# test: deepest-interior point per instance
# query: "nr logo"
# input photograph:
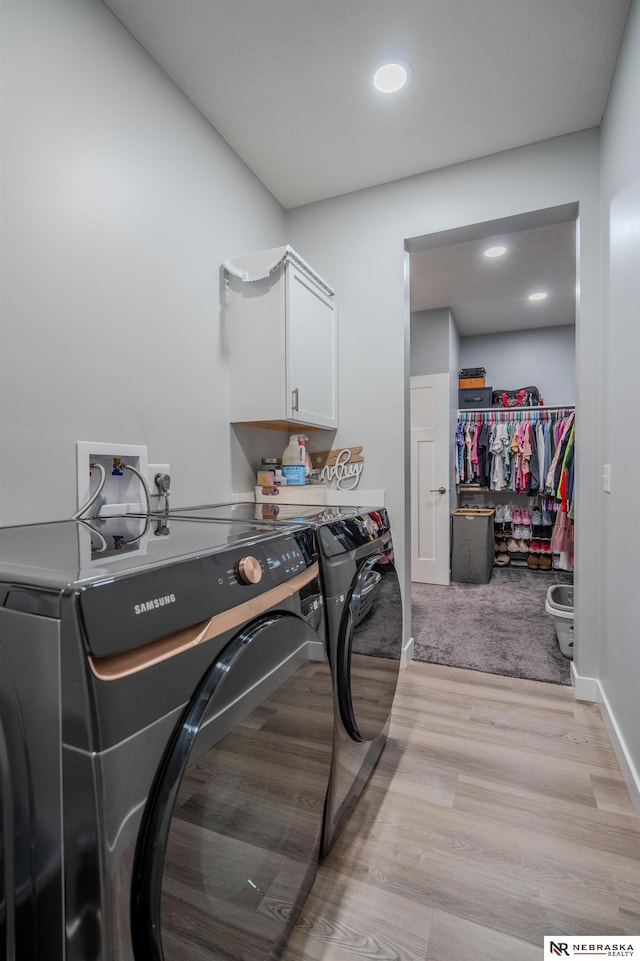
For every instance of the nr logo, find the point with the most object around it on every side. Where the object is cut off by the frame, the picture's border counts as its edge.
(559, 948)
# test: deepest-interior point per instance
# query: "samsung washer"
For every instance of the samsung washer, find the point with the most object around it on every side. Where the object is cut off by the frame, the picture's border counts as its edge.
(363, 608)
(166, 735)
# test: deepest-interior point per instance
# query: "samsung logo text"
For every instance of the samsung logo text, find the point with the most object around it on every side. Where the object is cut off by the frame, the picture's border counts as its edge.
(153, 604)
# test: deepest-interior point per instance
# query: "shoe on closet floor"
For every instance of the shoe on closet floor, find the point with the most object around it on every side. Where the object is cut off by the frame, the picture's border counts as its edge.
(523, 547)
(512, 546)
(533, 560)
(545, 562)
(536, 523)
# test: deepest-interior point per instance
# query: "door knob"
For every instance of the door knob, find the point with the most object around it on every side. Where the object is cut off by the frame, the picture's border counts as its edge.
(438, 490)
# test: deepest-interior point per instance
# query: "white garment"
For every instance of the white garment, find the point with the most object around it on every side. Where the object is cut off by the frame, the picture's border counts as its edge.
(498, 443)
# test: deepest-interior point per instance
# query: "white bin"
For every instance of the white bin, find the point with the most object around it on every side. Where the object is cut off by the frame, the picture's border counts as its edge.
(559, 604)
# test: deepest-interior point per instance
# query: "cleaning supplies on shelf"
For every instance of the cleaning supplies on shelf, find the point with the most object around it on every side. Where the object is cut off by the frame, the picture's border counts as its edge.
(302, 442)
(293, 461)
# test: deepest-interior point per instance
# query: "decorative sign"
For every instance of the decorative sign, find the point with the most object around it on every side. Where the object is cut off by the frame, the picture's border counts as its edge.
(343, 465)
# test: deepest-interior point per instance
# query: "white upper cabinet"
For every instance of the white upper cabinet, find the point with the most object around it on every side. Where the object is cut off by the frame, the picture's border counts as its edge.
(281, 329)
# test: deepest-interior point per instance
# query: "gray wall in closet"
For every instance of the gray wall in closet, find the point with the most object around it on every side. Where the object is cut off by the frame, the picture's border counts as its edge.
(544, 357)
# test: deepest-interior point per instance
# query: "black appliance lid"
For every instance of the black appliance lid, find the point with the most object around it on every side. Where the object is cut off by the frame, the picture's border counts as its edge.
(271, 512)
(341, 529)
(70, 553)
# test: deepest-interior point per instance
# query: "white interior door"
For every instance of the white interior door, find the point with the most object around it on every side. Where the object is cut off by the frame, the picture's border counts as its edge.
(430, 479)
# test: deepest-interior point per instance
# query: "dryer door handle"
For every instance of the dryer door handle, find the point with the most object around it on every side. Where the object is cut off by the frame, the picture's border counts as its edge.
(371, 583)
(116, 666)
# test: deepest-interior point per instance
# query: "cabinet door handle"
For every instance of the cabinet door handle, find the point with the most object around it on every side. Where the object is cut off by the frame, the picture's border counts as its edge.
(294, 399)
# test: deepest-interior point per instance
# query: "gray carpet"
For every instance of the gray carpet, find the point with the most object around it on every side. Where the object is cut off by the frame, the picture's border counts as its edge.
(499, 628)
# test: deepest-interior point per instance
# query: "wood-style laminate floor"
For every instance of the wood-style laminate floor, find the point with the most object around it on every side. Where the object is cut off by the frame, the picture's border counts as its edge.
(497, 814)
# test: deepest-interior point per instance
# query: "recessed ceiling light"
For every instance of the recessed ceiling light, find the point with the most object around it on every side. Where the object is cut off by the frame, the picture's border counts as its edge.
(495, 251)
(390, 77)
(538, 295)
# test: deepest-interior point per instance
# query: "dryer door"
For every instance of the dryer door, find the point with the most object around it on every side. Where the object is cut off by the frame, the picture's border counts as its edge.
(231, 832)
(369, 649)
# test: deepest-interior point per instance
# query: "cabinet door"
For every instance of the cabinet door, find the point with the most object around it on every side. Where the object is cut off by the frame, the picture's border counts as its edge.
(312, 367)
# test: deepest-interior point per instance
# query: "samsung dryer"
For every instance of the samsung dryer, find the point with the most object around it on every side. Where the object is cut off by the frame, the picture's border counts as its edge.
(166, 734)
(363, 608)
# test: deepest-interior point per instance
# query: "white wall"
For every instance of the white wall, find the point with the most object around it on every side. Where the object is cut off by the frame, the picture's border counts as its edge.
(621, 343)
(357, 242)
(119, 204)
(454, 367)
(544, 357)
(430, 341)
(434, 349)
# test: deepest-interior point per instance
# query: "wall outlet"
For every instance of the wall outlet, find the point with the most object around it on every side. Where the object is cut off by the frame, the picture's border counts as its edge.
(122, 491)
(157, 500)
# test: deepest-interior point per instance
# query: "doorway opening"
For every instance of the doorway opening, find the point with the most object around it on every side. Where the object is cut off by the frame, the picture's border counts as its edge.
(478, 600)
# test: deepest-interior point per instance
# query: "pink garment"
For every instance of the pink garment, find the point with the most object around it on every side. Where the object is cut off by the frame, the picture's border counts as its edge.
(562, 537)
(525, 452)
(523, 431)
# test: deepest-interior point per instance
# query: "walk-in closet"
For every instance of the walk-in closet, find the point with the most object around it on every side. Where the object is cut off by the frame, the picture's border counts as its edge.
(493, 447)
(527, 453)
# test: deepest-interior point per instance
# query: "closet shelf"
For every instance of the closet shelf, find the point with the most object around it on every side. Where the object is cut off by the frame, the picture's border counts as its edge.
(472, 489)
(561, 408)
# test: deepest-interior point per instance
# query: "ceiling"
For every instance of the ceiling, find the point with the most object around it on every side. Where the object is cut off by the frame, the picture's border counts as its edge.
(490, 295)
(287, 84)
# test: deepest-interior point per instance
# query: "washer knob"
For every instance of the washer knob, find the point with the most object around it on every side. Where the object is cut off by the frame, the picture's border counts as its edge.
(249, 570)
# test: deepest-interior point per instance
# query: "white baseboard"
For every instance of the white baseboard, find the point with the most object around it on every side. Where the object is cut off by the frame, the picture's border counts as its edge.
(590, 689)
(628, 768)
(584, 688)
(407, 653)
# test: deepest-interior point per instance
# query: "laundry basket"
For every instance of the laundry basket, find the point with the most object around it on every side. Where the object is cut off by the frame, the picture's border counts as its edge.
(559, 604)
(472, 544)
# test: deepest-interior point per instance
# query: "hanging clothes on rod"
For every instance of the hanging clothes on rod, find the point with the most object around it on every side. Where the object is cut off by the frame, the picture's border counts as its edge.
(525, 451)
(562, 479)
(512, 449)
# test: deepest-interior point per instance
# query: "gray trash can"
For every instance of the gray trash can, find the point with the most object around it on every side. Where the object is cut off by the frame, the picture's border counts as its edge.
(472, 544)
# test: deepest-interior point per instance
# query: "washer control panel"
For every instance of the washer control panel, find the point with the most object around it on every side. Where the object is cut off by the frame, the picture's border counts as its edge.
(284, 559)
(123, 613)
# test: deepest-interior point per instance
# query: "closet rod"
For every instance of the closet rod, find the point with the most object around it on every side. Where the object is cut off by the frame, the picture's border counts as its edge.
(508, 410)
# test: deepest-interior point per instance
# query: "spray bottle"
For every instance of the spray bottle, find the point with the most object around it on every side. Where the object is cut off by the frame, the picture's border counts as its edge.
(302, 441)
